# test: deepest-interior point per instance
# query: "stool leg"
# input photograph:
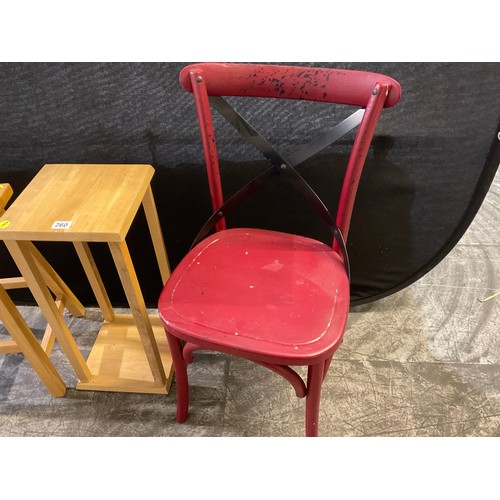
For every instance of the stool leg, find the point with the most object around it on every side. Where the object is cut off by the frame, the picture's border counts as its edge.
(314, 382)
(181, 378)
(28, 345)
(22, 254)
(130, 283)
(148, 203)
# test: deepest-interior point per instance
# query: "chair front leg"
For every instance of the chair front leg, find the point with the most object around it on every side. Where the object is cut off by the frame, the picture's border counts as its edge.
(181, 377)
(314, 382)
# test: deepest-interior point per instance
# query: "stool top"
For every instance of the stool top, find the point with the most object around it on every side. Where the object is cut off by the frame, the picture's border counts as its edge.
(73, 202)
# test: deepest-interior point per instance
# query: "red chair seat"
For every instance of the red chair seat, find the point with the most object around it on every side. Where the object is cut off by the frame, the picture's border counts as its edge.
(271, 296)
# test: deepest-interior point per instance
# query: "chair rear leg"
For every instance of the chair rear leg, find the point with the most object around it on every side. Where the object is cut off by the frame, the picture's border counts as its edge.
(181, 377)
(314, 382)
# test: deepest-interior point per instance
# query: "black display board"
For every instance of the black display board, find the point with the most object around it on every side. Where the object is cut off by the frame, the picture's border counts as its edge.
(431, 163)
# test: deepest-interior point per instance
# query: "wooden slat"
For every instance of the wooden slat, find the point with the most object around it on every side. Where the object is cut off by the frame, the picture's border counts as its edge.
(11, 283)
(9, 347)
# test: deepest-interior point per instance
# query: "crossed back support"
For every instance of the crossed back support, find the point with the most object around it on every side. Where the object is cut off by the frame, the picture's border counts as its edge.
(371, 91)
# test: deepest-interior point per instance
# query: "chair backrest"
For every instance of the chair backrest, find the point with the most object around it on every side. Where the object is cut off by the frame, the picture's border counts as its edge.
(369, 91)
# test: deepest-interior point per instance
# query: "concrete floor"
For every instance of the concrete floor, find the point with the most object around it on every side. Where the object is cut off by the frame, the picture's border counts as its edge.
(422, 362)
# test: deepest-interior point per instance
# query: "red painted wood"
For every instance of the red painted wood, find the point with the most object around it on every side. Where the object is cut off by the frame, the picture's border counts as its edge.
(188, 350)
(290, 375)
(291, 82)
(208, 141)
(314, 381)
(358, 156)
(181, 378)
(282, 297)
(277, 299)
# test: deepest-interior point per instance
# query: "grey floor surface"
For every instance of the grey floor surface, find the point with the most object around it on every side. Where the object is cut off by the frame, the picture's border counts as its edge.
(422, 362)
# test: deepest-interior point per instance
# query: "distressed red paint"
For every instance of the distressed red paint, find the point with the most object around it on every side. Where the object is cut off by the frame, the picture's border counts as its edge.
(277, 299)
(291, 82)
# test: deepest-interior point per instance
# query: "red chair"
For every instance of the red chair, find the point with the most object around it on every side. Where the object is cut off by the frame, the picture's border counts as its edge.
(277, 299)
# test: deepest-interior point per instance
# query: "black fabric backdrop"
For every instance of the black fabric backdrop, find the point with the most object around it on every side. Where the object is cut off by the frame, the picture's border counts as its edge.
(433, 158)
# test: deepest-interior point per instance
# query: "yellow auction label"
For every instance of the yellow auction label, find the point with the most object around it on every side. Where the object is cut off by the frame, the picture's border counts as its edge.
(4, 224)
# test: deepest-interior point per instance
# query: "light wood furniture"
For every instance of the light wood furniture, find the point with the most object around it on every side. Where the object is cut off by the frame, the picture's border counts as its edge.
(23, 339)
(96, 203)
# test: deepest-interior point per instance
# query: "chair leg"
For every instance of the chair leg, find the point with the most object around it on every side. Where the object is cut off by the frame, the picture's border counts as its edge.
(181, 378)
(327, 366)
(314, 382)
